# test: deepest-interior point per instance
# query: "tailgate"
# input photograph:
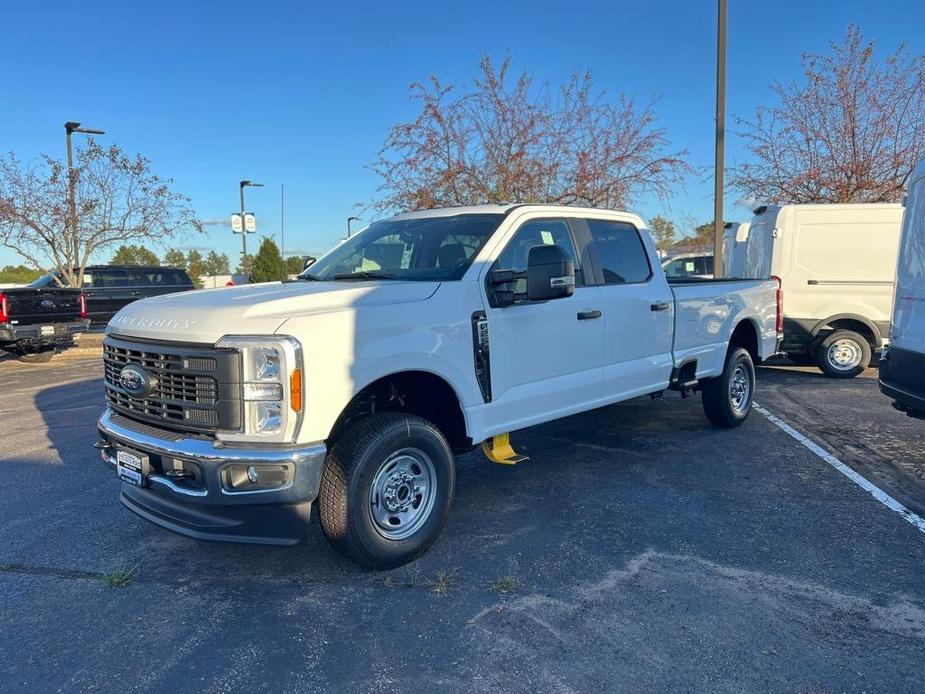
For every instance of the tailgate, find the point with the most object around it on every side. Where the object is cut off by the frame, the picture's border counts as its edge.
(54, 305)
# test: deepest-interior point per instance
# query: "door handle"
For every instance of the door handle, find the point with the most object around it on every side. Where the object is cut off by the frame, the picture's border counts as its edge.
(662, 306)
(588, 315)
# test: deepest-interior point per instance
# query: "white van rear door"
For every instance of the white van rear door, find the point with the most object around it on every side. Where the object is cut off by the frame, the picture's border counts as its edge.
(908, 329)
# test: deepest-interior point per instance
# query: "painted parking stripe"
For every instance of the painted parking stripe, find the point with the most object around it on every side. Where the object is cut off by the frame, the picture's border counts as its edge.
(862, 482)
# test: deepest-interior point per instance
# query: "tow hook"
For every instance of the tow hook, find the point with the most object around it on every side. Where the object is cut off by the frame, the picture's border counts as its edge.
(103, 445)
(179, 474)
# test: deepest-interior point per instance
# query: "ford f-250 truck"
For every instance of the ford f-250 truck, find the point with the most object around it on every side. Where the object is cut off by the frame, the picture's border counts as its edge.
(36, 321)
(231, 411)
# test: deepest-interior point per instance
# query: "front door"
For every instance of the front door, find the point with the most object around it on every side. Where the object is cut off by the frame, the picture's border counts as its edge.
(546, 357)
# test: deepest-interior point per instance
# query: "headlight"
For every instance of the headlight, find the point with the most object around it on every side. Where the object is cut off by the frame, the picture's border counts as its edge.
(271, 387)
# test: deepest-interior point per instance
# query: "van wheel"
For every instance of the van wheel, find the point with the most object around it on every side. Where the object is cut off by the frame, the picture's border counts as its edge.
(40, 357)
(386, 490)
(843, 354)
(727, 399)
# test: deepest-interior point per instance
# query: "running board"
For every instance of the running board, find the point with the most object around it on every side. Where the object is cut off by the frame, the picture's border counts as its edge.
(498, 450)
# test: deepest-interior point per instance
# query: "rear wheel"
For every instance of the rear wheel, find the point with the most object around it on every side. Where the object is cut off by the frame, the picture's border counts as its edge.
(39, 357)
(386, 490)
(727, 399)
(843, 354)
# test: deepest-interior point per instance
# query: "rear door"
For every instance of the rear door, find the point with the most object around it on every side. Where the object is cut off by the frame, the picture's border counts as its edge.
(113, 290)
(546, 357)
(155, 281)
(638, 310)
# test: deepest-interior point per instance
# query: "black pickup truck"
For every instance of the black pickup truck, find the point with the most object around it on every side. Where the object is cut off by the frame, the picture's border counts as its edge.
(35, 322)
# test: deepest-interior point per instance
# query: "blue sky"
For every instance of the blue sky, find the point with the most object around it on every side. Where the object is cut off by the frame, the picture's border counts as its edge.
(302, 94)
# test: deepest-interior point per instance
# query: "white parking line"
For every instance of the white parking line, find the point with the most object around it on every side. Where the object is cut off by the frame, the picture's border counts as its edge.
(862, 482)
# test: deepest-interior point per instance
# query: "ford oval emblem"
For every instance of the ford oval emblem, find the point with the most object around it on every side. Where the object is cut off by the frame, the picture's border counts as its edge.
(136, 381)
(48, 304)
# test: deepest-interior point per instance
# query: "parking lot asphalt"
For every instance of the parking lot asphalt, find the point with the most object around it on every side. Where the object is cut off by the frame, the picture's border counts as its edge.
(638, 550)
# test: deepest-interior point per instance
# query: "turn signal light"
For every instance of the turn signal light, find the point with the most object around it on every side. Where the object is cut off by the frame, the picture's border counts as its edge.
(4, 309)
(779, 323)
(295, 390)
(83, 306)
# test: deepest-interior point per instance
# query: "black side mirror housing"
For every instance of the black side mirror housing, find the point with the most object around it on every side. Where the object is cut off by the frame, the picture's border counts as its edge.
(550, 274)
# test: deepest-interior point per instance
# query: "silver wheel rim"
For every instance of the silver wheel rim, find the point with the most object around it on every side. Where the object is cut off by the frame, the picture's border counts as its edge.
(740, 388)
(402, 495)
(844, 355)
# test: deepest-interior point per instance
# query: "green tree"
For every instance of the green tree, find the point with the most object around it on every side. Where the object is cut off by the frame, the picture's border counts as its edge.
(18, 274)
(195, 265)
(216, 264)
(250, 264)
(175, 258)
(664, 232)
(294, 264)
(133, 255)
(268, 263)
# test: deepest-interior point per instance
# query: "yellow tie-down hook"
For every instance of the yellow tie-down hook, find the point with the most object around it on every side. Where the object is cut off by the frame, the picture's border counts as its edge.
(498, 450)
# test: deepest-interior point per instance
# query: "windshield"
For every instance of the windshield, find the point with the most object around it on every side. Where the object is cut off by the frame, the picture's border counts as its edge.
(428, 249)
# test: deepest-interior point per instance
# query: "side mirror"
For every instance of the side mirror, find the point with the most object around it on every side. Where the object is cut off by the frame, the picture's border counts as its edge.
(309, 261)
(550, 274)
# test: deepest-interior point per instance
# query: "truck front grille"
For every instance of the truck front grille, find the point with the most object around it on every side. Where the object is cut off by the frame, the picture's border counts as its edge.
(193, 388)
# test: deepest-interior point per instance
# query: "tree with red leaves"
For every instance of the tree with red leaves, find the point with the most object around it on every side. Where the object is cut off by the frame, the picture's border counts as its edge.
(851, 131)
(505, 141)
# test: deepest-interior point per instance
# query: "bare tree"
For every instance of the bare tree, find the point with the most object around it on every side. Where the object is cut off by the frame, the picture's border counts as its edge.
(851, 131)
(505, 141)
(118, 201)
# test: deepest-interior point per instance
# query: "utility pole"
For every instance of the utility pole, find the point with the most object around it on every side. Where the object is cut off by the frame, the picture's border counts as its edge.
(282, 228)
(720, 138)
(245, 184)
(71, 225)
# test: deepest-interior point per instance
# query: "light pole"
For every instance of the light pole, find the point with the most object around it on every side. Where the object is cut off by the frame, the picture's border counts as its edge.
(72, 127)
(351, 219)
(245, 184)
(720, 138)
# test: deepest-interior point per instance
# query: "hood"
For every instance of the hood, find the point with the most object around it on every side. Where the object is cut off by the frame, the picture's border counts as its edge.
(205, 315)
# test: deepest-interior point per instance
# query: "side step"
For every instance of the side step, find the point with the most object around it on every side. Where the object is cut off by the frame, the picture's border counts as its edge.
(499, 450)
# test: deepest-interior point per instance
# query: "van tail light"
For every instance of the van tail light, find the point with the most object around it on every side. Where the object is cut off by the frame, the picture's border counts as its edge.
(779, 323)
(4, 308)
(83, 306)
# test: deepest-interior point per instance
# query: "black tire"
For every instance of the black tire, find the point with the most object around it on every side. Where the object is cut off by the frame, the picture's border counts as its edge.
(40, 357)
(361, 458)
(721, 405)
(854, 358)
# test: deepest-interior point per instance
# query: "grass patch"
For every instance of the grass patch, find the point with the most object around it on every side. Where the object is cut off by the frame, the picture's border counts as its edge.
(505, 584)
(120, 577)
(443, 581)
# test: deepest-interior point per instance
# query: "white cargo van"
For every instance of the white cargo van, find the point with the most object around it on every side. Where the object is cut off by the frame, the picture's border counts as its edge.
(835, 264)
(902, 366)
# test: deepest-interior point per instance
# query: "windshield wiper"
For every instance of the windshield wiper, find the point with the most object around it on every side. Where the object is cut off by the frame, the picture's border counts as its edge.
(308, 278)
(364, 275)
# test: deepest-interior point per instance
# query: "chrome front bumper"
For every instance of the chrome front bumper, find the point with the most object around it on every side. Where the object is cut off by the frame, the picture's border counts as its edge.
(210, 509)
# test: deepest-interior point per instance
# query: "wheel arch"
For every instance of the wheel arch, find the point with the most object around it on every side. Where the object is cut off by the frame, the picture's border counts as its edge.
(849, 321)
(746, 334)
(416, 391)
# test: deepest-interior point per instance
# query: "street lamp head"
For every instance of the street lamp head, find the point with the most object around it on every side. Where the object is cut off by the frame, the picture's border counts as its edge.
(90, 131)
(251, 184)
(71, 126)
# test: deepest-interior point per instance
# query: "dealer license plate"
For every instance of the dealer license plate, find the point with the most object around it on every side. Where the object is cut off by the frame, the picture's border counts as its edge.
(132, 467)
(48, 330)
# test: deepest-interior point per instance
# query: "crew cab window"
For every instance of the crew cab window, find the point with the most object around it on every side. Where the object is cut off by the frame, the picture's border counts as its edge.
(422, 248)
(111, 277)
(619, 251)
(540, 232)
(690, 266)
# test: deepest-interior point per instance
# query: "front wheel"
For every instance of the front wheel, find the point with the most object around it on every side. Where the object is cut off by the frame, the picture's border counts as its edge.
(386, 490)
(727, 399)
(843, 354)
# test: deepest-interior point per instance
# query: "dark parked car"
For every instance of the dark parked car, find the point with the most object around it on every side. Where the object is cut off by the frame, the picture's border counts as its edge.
(110, 287)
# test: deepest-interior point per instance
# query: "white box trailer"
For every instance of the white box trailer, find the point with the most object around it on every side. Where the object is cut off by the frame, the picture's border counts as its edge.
(902, 366)
(835, 264)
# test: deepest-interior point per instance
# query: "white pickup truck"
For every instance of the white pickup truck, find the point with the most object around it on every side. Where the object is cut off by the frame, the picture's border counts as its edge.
(230, 411)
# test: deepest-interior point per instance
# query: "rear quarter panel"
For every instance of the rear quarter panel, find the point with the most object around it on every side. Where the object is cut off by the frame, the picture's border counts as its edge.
(706, 313)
